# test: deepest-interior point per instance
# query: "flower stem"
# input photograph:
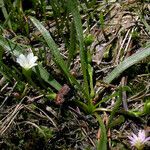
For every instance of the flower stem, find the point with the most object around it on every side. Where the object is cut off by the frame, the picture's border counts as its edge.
(27, 74)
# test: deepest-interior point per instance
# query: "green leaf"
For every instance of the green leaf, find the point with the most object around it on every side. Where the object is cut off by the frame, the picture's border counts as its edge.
(5, 13)
(117, 121)
(145, 23)
(56, 54)
(5, 71)
(82, 105)
(146, 109)
(116, 107)
(72, 48)
(47, 77)
(102, 144)
(53, 47)
(11, 47)
(15, 49)
(105, 99)
(73, 7)
(90, 70)
(101, 20)
(128, 62)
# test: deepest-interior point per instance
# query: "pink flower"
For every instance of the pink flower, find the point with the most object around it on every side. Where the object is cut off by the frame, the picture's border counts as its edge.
(139, 140)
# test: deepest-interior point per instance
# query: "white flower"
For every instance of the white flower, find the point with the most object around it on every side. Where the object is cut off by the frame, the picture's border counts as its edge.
(28, 61)
(139, 140)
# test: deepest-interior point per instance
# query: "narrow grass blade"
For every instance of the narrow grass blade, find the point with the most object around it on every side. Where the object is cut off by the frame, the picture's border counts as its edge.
(73, 7)
(72, 48)
(117, 121)
(5, 13)
(127, 63)
(90, 70)
(53, 47)
(146, 24)
(56, 54)
(115, 109)
(5, 71)
(11, 47)
(102, 144)
(47, 77)
(105, 99)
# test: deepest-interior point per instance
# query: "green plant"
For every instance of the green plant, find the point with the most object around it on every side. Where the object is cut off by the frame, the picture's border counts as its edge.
(128, 62)
(86, 68)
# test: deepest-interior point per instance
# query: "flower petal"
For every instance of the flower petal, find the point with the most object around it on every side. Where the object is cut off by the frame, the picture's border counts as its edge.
(21, 60)
(141, 134)
(30, 56)
(138, 140)
(147, 139)
(33, 60)
(28, 61)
